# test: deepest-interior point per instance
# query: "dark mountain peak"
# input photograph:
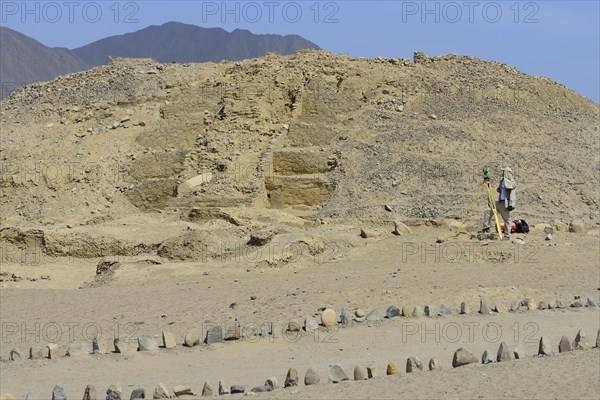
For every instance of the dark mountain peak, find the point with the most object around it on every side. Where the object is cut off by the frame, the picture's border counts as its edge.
(24, 60)
(176, 41)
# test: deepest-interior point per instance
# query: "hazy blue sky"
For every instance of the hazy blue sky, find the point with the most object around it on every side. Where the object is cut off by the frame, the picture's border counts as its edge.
(559, 39)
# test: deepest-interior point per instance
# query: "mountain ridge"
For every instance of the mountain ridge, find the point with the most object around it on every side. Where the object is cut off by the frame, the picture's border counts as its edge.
(25, 60)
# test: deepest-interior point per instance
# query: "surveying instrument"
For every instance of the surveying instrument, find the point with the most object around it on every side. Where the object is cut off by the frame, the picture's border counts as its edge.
(487, 185)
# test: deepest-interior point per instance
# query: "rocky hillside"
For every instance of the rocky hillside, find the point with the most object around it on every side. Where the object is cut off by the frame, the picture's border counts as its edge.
(314, 133)
(23, 60)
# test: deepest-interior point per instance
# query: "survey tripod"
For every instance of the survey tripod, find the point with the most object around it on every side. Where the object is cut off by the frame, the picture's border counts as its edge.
(487, 186)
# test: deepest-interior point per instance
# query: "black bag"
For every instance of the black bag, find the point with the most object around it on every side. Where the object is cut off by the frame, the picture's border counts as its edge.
(521, 226)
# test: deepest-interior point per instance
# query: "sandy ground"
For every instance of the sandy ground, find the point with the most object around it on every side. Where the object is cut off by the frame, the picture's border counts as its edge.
(145, 298)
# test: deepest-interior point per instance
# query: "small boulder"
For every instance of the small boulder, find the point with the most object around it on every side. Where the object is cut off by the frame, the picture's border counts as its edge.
(182, 390)
(598, 339)
(337, 374)
(36, 352)
(577, 303)
(344, 319)
(581, 341)
(272, 383)
(214, 334)
(261, 389)
(359, 313)
(163, 392)
(434, 364)
(445, 310)
(483, 306)
(561, 303)
(147, 343)
(501, 308)
(169, 341)
(138, 394)
(463, 357)
(293, 326)
(310, 323)
(52, 351)
(504, 353)
(101, 346)
(486, 357)
(545, 347)
(207, 390)
(89, 393)
(464, 308)
(591, 300)
(192, 338)
(373, 315)
(372, 372)
(564, 345)
(236, 389)
(58, 393)
(291, 379)
(223, 389)
(125, 347)
(311, 377)
(406, 311)
(360, 373)
(430, 311)
(328, 317)
(417, 311)
(392, 369)
(114, 392)
(413, 364)
(392, 312)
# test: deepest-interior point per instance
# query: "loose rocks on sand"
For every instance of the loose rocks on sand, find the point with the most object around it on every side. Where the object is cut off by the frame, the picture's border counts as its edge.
(392, 369)
(504, 353)
(337, 374)
(138, 394)
(360, 373)
(486, 357)
(311, 377)
(58, 393)
(207, 390)
(564, 345)
(413, 364)
(581, 341)
(434, 364)
(89, 393)
(392, 312)
(463, 357)
(545, 348)
(147, 343)
(291, 379)
(328, 317)
(192, 338)
(114, 392)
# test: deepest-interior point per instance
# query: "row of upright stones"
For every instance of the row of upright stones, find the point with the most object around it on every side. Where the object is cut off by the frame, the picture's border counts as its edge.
(336, 374)
(325, 317)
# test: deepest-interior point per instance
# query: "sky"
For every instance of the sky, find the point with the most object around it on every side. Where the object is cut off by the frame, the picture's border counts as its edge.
(558, 39)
